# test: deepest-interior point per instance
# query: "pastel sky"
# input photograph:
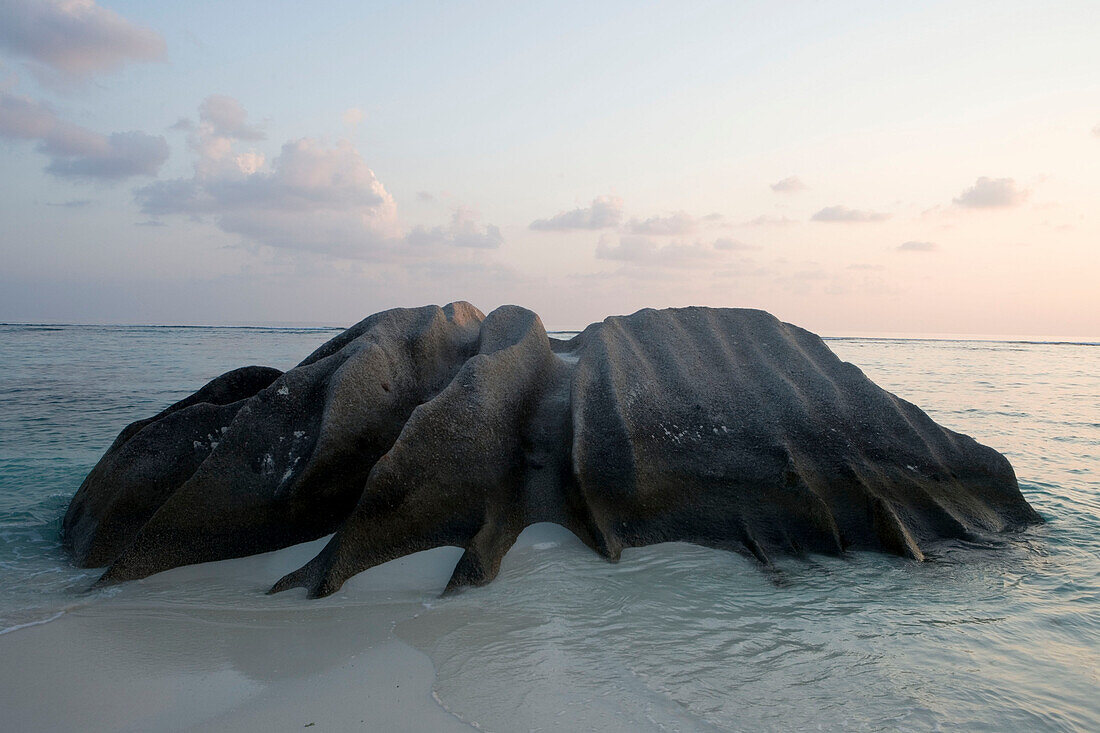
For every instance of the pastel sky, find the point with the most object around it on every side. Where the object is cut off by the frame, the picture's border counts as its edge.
(853, 167)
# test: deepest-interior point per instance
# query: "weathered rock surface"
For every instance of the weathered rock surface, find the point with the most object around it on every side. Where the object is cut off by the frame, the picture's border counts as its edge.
(425, 427)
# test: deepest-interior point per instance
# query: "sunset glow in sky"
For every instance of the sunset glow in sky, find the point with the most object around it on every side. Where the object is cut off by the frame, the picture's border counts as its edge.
(853, 167)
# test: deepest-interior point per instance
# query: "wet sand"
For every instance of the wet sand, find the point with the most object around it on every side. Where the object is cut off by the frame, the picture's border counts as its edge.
(201, 648)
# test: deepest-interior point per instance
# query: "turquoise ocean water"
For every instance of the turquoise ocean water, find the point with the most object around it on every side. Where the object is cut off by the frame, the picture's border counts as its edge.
(1003, 635)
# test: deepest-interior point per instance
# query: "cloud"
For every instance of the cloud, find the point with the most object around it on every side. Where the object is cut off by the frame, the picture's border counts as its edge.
(72, 204)
(790, 184)
(75, 151)
(1096, 130)
(844, 214)
(917, 247)
(74, 38)
(987, 193)
(768, 220)
(222, 122)
(605, 212)
(425, 197)
(352, 117)
(644, 251)
(23, 117)
(224, 117)
(311, 197)
(730, 245)
(463, 231)
(116, 156)
(663, 226)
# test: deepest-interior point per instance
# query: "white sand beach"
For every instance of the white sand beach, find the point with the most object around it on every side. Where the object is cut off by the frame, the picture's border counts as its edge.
(203, 648)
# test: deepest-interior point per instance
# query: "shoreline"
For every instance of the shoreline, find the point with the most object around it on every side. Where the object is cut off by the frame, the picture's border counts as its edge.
(201, 648)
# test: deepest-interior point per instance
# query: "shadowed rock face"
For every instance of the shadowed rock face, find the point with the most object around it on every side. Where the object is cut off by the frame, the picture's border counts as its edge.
(419, 428)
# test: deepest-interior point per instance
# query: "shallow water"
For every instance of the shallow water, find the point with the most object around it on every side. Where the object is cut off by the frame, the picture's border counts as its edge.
(1000, 636)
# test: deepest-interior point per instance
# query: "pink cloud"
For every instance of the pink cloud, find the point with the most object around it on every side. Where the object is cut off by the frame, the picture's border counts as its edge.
(646, 252)
(605, 212)
(844, 214)
(76, 151)
(673, 224)
(790, 184)
(74, 38)
(311, 197)
(989, 193)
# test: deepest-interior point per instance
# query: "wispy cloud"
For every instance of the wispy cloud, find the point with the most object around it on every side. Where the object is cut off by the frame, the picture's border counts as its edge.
(77, 152)
(1096, 130)
(770, 220)
(790, 184)
(731, 245)
(464, 230)
(844, 214)
(74, 38)
(604, 213)
(913, 246)
(988, 193)
(678, 223)
(645, 251)
(353, 117)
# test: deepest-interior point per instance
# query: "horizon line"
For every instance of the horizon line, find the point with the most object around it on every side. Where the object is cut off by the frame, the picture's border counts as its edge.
(853, 335)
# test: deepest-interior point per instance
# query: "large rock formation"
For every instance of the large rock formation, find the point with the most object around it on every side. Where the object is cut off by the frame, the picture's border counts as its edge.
(418, 428)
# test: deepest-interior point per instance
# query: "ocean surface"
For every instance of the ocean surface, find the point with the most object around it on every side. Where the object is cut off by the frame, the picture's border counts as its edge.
(1000, 635)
